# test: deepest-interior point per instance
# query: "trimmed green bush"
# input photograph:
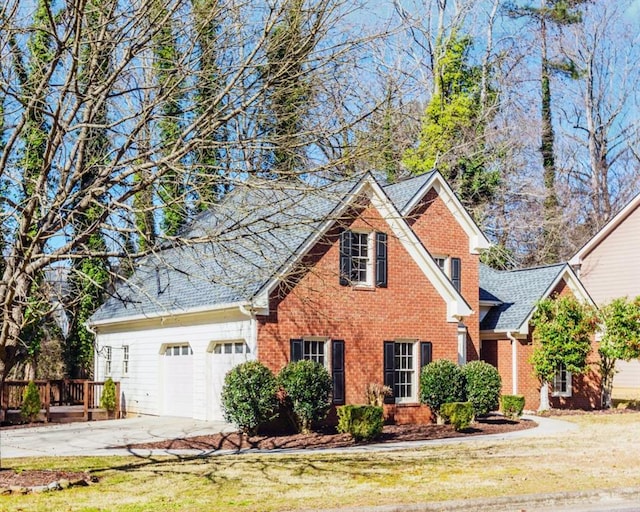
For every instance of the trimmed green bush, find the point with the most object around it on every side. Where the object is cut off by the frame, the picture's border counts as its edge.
(249, 396)
(31, 403)
(363, 422)
(512, 406)
(441, 382)
(459, 414)
(307, 391)
(108, 398)
(483, 385)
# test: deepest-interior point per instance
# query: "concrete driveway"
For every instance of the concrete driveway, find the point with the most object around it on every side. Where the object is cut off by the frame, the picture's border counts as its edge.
(100, 437)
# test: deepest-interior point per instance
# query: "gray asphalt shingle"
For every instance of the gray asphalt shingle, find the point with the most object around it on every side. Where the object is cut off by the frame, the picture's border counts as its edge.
(518, 290)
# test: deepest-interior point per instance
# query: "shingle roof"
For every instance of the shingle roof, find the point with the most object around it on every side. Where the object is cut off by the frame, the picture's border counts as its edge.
(234, 251)
(518, 290)
(403, 192)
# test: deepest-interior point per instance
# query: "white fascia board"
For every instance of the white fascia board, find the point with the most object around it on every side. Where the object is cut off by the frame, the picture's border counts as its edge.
(477, 239)
(605, 231)
(243, 306)
(574, 284)
(493, 333)
(457, 307)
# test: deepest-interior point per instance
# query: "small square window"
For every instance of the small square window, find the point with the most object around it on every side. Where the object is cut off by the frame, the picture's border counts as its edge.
(239, 348)
(217, 348)
(228, 348)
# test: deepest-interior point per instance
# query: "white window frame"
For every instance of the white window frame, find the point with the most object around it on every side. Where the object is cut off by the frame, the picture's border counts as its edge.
(310, 352)
(558, 382)
(108, 358)
(169, 350)
(229, 347)
(368, 281)
(125, 359)
(446, 265)
(415, 361)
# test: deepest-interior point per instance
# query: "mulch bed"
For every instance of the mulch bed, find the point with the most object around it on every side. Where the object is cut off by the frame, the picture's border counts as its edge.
(330, 439)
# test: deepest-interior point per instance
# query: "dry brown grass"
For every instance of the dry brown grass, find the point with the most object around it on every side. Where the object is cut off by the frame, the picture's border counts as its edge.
(603, 453)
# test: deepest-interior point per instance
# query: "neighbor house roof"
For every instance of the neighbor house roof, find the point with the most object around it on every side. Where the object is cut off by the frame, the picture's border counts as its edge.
(518, 291)
(606, 230)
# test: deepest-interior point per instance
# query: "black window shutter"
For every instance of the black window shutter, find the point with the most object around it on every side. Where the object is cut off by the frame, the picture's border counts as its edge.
(337, 371)
(456, 273)
(381, 260)
(389, 370)
(296, 350)
(345, 258)
(425, 353)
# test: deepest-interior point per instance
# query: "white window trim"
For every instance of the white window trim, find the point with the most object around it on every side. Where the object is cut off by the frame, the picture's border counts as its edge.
(447, 263)
(368, 282)
(560, 393)
(327, 344)
(416, 371)
(126, 354)
(108, 360)
(166, 346)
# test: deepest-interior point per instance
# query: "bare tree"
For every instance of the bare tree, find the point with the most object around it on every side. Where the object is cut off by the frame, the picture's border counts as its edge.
(51, 215)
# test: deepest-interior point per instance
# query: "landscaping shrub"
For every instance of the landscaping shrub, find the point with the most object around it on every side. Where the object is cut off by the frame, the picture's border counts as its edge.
(108, 398)
(459, 414)
(31, 403)
(375, 393)
(482, 385)
(363, 422)
(249, 396)
(441, 382)
(512, 406)
(307, 391)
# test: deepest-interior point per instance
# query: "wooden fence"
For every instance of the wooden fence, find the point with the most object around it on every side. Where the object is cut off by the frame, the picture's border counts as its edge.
(64, 392)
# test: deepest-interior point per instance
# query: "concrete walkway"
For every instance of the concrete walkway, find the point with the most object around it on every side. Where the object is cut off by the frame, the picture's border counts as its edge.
(106, 437)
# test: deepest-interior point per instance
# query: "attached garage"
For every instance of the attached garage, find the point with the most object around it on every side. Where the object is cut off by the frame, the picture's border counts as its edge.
(177, 373)
(222, 356)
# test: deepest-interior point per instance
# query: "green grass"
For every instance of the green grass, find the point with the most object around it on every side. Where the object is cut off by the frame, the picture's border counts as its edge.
(602, 454)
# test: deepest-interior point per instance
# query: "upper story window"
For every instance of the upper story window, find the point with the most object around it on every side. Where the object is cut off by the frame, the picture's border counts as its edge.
(562, 382)
(363, 258)
(452, 267)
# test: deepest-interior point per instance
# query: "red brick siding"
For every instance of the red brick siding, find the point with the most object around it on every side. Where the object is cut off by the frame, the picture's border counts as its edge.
(441, 234)
(314, 304)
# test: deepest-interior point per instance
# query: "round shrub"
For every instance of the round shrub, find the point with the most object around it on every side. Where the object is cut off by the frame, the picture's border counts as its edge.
(249, 396)
(512, 406)
(307, 392)
(483, 385)
(441, 382)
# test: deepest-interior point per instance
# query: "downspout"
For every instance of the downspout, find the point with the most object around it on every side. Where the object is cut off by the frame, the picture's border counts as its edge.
(253, 327)
(514, 363)
(89, 329)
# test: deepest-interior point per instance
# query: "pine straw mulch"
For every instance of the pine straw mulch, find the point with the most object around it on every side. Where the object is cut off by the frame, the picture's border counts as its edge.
(328, 438)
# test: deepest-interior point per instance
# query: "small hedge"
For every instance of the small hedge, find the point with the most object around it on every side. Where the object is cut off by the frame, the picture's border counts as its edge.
(441, 382)
(512, 406)
(459, 414)
(307, 392)
(363, 422)
(482, 385)
(108, 398)
(249, 396)
(31, 403)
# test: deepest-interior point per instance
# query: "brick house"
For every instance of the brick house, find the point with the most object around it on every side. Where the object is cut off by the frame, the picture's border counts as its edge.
(372, 280)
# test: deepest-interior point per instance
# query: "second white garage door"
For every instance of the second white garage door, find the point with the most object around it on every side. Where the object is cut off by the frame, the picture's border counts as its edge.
(177, 361)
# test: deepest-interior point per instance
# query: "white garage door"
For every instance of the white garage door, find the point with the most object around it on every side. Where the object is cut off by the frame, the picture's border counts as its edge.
(178, 380)
(222, 357)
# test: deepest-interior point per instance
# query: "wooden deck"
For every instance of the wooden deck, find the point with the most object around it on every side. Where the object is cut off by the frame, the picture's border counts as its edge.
(63, 401)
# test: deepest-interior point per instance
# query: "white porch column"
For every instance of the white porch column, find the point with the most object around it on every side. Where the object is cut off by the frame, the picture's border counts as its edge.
(462, 344)
(514, 363)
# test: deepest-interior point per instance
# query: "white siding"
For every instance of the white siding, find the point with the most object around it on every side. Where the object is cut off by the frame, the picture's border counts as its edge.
(142, 388)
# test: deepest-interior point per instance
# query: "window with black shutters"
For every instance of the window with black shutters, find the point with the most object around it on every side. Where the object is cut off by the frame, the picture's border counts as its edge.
(313, 349)
(403, 361)
(363, 259)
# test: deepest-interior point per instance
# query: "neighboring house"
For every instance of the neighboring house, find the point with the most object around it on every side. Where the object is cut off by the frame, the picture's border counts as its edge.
(507, 303)
(373, 281)
(607, 265)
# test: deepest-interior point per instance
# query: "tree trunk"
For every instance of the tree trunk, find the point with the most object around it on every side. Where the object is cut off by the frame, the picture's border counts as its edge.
(544, 397)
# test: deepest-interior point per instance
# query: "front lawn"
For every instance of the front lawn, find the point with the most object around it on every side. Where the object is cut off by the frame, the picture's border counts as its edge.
(602, 454)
